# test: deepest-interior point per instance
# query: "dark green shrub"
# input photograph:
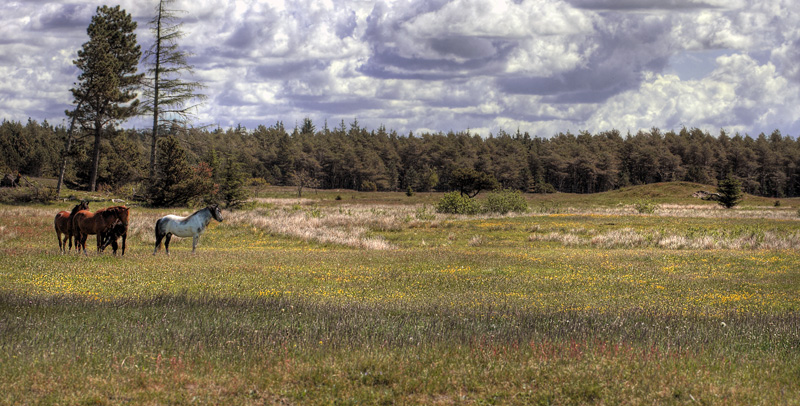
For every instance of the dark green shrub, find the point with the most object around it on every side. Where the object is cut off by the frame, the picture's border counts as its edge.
(504, 201)
(730, 191)
(455, 203)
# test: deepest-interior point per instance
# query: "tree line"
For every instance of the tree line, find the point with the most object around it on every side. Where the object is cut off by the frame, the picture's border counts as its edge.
(354, 157)
(94, 153)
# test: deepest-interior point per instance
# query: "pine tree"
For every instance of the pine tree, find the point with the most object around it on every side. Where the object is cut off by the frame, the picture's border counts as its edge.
(168, 96)
(730, 191)
(106, 92)
(176, 181)
(232, 190)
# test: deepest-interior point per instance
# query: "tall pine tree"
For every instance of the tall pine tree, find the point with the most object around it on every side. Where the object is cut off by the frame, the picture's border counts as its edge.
(730, 191)
(106, 90)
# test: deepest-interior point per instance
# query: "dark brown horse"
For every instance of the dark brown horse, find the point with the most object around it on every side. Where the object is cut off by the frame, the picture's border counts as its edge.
(86, 223)
(111, 236)
(63, 225)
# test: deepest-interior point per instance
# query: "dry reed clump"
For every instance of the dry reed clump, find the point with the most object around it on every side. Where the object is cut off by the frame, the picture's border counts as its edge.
(625, 237)
(476, 241)
(677, 242)
(6, 234)
(565, 239)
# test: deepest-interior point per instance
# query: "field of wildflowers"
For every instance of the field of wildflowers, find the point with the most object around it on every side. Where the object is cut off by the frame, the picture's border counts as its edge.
(321, 301)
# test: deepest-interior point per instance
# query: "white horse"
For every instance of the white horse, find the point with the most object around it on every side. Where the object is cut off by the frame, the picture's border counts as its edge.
(191, 226)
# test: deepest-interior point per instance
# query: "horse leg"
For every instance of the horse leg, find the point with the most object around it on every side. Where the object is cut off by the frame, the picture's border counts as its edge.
(83, 238)
(124, 237)
(194, 242)
(60, 245)
(100, 239)
(166, 242)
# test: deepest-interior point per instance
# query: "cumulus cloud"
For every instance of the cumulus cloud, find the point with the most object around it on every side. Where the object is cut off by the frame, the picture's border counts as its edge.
(542, 66)
(740, 94)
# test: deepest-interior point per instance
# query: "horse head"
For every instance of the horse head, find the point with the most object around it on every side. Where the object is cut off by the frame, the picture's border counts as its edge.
(83, 205)
(215, 212)
(121, 213)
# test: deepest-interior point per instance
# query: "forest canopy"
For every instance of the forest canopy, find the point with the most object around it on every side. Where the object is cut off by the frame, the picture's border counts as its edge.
(353, 157)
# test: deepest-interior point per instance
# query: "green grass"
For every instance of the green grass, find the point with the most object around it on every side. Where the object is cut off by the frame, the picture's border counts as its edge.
(531, 309)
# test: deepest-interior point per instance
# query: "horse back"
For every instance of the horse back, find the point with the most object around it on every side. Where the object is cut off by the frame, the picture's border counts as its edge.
(176, 225)
(83, 222)
(61, 221)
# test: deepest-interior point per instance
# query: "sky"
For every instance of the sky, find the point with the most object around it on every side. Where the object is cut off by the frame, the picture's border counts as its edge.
(537, 66)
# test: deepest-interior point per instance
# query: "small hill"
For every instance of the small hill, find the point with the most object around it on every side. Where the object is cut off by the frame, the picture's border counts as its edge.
(661, 193)
(665, 192)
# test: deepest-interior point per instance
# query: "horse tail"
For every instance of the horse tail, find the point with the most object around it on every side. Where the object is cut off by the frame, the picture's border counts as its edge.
(158, 227)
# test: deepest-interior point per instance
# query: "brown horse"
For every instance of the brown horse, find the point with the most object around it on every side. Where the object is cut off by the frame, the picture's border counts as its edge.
(111, 236)
(63, 225)
(85, 223)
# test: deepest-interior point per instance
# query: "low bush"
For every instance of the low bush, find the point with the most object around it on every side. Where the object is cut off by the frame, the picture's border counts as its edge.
(455, 203)
(504, 201)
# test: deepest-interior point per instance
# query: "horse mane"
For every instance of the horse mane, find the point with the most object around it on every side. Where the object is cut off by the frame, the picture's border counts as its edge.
(78, 207)
(198, 211)
(113, 209)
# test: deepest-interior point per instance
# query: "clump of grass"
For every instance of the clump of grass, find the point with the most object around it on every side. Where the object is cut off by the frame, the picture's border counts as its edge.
(6, 234)
(476, 241)
(566, 239)
(423, 214)
(626, 237)
(645, 206)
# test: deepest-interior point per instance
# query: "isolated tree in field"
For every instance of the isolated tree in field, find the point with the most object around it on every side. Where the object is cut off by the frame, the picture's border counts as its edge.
(730, 191)
(106, 90)
(302, 179)
(168, 97)
(470, 182)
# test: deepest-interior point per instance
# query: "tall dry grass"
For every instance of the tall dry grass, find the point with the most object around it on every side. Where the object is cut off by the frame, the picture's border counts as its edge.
(686, 210)
(629, 238)
(348, 225)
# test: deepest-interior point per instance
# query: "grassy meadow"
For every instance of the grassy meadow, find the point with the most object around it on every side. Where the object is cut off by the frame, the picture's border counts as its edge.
(342, 297)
